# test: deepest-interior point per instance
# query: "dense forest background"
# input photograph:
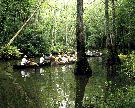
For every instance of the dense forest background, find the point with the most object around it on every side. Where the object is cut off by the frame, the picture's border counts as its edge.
(53, 27)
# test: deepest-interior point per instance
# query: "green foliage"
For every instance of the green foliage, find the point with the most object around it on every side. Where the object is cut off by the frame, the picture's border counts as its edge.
(125, 25)
(120, 99)
(62, 48)
(13, 15)
(94, 24)
(53, 27)
(33, 42)
(129, 63)
(132, 63)
(10, 52)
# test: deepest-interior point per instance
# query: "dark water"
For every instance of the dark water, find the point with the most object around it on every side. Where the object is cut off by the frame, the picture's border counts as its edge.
(57, 86)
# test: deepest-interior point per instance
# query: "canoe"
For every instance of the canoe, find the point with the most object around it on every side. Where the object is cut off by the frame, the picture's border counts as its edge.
(40, 65)
(30, 66)
(24, 66)
(67, 63)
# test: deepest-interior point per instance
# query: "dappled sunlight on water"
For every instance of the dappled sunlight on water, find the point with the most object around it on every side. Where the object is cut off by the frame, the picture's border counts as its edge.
(55, 86)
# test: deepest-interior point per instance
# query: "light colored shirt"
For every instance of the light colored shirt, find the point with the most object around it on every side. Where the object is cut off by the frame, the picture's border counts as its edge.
(50, 54)
(42, 59)
(71, 59)
(64, 59)
(24, 61)
(59, 55)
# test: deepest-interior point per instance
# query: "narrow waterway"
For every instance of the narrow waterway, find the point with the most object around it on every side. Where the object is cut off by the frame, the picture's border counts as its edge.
(55, 86)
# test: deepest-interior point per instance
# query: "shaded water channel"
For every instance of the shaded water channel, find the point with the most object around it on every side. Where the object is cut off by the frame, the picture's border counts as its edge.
(55, 87)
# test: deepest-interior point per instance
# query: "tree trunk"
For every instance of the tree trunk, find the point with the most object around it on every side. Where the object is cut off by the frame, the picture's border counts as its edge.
(82, 65)
(79, 31)
(23, 26)
(55, 17)
(36, 18)
(112, 57)
(115, 53)
(129, 30)
(81, 82)
(108, 41)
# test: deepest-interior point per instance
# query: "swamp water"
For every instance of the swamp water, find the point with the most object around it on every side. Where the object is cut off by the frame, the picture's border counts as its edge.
(55, 87)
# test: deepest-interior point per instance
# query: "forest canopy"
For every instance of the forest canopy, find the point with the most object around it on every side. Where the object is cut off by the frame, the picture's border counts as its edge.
(53, 27)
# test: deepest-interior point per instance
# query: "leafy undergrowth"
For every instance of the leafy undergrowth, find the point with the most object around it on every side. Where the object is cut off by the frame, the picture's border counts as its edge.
(119, 99)
(128, 64)
(10, 52)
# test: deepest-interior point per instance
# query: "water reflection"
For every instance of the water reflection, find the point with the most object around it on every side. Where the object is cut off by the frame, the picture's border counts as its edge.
(70, 66)
(62, 96)
(42, 71)
(25, 74)
(81, 82)
(82, 74)
(54, 87)
(63, 68)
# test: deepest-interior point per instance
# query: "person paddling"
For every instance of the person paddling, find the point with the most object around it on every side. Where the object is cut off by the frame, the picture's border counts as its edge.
(42, 59)
(52, 59)
(25, 61)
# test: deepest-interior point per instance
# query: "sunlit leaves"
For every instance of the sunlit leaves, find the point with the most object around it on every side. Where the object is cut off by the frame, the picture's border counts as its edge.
(55, 22)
